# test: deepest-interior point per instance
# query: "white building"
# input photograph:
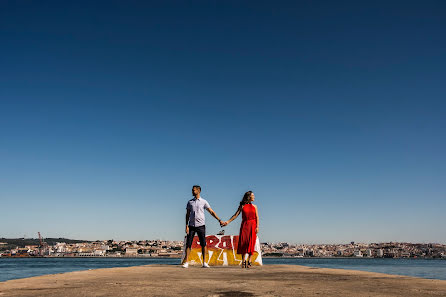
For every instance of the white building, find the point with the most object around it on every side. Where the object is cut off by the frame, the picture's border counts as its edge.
(380, 253)
(99, 253)
(61, 247)
(131, 251)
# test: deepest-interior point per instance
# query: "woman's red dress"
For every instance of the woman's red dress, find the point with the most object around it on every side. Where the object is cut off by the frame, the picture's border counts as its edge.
(247, 238)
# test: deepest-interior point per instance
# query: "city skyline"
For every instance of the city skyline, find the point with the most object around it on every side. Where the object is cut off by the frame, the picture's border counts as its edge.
(159, 248)
(332, 113)
(168, 240)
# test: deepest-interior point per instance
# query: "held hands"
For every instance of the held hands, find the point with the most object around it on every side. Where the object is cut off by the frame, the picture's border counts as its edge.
(222, 224)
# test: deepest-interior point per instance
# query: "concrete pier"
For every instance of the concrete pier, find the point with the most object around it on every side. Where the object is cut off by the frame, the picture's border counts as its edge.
(267, 280)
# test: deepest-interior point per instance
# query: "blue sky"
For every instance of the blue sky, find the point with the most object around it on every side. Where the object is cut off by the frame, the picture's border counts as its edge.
(332, 113)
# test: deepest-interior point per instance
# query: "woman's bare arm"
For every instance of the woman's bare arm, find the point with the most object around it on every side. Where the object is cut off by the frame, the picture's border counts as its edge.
(257, 218)
(239, 210)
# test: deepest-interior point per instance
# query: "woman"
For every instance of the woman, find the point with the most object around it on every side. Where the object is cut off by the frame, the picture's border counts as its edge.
(248, 229)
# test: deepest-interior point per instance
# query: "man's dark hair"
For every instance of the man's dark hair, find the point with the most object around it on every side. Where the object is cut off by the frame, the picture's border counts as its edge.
(197, 186)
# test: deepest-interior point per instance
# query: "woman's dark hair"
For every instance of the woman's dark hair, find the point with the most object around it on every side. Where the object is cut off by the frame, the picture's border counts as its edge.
(246, 198)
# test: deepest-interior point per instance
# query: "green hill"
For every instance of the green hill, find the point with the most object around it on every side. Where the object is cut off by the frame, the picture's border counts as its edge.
(21, 242)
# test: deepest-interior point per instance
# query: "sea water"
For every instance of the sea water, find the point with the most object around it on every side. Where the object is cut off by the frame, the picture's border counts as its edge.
(14, 268)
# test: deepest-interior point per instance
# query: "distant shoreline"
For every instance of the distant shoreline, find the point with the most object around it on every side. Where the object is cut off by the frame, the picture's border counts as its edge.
(179, 257)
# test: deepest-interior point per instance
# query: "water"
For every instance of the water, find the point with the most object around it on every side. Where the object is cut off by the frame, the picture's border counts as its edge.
(14, 268)
(425, 268)
(27, 267)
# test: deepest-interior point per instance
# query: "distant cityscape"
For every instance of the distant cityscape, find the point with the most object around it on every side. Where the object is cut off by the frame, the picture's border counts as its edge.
(18, 248)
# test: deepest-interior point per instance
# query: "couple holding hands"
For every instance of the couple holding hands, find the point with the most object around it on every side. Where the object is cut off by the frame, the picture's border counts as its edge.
(195, 223)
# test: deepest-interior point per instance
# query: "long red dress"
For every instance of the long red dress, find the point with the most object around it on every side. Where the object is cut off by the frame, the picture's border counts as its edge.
(247, 238)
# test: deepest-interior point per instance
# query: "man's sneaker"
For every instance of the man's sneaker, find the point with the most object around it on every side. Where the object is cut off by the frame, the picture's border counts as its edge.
(186, 265)
(205, 265)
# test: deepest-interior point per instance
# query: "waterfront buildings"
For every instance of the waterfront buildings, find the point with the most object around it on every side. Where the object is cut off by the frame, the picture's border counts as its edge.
(159, 248)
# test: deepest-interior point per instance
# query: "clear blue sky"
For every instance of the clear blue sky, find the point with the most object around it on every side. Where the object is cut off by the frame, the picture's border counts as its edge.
(333, 113)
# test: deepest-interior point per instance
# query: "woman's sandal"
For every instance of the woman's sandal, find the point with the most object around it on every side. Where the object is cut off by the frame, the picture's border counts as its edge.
(249, 265)
(244, 265)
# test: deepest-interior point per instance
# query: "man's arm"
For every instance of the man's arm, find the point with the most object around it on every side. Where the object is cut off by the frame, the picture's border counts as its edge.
(213, 214)
(187, 220)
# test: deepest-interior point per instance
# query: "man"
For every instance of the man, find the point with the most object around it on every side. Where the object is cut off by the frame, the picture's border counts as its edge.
(195, 223)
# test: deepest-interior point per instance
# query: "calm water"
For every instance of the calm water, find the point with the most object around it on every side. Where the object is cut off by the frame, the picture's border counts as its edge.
(432, 268)
(21, 268)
